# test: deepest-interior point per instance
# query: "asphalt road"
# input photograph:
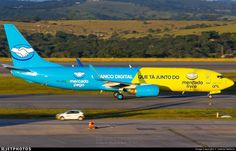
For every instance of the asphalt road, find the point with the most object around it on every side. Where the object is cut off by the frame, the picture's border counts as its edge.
(104, 101)
(216, 66)
(118, 133)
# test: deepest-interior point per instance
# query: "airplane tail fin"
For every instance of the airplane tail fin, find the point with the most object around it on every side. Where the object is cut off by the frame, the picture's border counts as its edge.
(23, 54)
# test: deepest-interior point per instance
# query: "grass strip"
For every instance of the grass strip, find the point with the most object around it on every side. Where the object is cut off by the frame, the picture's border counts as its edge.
(155, 114)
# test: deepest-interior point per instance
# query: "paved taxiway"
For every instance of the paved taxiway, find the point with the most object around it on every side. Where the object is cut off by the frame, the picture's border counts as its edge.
(105, 101)
(118, 133)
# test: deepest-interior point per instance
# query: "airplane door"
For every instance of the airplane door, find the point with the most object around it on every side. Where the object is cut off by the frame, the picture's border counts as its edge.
(45, 80)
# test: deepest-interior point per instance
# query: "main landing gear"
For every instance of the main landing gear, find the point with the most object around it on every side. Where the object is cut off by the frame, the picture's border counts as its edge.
(118, 95)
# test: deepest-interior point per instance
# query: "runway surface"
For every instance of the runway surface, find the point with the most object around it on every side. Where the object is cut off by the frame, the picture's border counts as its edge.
(105, 101)
(216, 66)
(118, 133)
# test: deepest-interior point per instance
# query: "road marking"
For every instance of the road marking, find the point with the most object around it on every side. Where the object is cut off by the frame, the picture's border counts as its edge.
(188, 138)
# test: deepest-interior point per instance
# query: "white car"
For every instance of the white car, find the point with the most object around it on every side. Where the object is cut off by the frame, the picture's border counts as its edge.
(71, 115)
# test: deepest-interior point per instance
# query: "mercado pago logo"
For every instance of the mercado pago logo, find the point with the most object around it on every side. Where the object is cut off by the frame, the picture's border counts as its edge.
(79, 74)
(22, 52)
(192, 76)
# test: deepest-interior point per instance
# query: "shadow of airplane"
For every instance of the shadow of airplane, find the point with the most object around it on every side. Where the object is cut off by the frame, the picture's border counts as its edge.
(191, 95)
(13, 122)
(136, 111)
(21, 95)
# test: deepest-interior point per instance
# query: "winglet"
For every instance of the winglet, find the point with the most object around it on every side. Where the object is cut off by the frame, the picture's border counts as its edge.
(80, 64)
(95, 73)
(97, 76)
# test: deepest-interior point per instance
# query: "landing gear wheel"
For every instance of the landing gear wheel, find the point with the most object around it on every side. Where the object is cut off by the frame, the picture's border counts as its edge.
(210, 97)
(120, 96)
(115, 94)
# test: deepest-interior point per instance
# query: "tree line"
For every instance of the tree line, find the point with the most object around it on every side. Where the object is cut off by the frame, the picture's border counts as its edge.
(26, 10)
(207, 44)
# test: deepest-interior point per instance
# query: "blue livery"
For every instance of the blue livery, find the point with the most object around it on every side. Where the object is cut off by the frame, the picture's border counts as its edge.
(28, 65)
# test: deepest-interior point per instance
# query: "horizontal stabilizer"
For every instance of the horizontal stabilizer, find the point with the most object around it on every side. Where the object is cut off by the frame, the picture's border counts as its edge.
(9, 67)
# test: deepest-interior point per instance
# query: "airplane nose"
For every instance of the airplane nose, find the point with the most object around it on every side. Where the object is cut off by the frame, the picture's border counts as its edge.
(229, 82)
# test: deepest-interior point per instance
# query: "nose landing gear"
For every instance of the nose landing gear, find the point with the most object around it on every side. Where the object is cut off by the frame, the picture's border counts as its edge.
(210, 96)
(210, 99)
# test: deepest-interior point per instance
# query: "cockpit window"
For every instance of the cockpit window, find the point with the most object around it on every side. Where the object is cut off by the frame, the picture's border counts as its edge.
(220, 76)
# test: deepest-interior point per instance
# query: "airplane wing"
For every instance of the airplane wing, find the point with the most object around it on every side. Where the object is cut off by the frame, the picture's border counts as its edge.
(109, 83)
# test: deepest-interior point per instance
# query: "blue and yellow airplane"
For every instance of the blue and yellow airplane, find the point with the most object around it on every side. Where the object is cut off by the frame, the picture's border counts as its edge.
(142, 82)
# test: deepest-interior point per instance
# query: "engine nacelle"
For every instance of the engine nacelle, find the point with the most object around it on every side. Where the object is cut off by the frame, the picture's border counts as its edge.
(147, 90)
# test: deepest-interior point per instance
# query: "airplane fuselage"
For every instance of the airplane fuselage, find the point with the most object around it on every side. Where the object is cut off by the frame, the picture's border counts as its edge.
(173, 79)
